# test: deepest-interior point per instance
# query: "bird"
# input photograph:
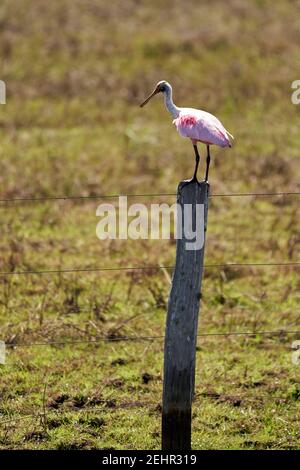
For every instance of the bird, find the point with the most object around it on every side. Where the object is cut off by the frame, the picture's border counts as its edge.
(197, 125)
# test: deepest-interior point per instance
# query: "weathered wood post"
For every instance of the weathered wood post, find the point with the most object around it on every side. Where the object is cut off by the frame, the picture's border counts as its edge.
(182, 318)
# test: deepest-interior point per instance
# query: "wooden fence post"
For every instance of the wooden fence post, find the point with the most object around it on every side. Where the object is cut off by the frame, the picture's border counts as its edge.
(182, 322)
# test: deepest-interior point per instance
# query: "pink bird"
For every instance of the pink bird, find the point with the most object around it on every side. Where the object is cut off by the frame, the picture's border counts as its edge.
(197, 125)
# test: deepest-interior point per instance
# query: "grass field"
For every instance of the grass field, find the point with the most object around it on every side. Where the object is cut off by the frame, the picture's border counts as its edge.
(75, 73)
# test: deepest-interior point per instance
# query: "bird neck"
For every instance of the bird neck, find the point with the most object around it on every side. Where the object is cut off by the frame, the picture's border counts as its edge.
(171, 107)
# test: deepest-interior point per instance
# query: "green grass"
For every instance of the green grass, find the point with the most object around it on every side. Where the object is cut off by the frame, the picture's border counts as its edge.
(75, 73)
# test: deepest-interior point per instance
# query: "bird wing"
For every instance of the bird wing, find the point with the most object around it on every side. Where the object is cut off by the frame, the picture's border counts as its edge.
(202, 126)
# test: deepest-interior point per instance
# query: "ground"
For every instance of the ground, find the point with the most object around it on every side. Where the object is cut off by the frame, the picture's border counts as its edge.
(75, 74)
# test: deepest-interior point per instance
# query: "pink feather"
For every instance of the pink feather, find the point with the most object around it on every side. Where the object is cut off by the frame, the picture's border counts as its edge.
(202, 126)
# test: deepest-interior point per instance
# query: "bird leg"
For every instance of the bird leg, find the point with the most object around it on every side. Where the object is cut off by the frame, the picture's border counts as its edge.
(207, 164)
(197, 162)
(194, 179)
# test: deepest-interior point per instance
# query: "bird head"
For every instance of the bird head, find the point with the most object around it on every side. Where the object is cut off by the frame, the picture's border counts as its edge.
(161, 87)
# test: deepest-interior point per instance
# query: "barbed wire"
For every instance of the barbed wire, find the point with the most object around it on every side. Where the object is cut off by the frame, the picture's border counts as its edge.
(114, 196)
(110, 403)
(142, 268)
(112, 338)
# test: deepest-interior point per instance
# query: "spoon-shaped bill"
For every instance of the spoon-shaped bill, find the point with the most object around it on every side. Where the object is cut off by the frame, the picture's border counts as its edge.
(154, 92)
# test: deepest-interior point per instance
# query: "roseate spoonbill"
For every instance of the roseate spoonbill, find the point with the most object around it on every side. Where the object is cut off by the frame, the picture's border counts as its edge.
(195, 124)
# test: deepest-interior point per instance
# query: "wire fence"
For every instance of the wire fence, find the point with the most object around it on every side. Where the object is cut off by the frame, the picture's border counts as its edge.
(145, 268)
(113, 404)
(141, 268)
(112, 338)
(115, 196)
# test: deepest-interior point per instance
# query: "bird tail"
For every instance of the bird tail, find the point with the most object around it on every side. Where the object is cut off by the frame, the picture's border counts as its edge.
(231, 137)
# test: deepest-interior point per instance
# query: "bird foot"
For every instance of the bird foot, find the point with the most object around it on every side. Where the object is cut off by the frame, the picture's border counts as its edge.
(205, 180)
(192, 180)
(187, 182)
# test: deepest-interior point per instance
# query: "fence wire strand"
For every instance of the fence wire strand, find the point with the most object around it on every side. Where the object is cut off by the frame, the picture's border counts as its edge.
(144, 268)
(115, 196)
(278, 332)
